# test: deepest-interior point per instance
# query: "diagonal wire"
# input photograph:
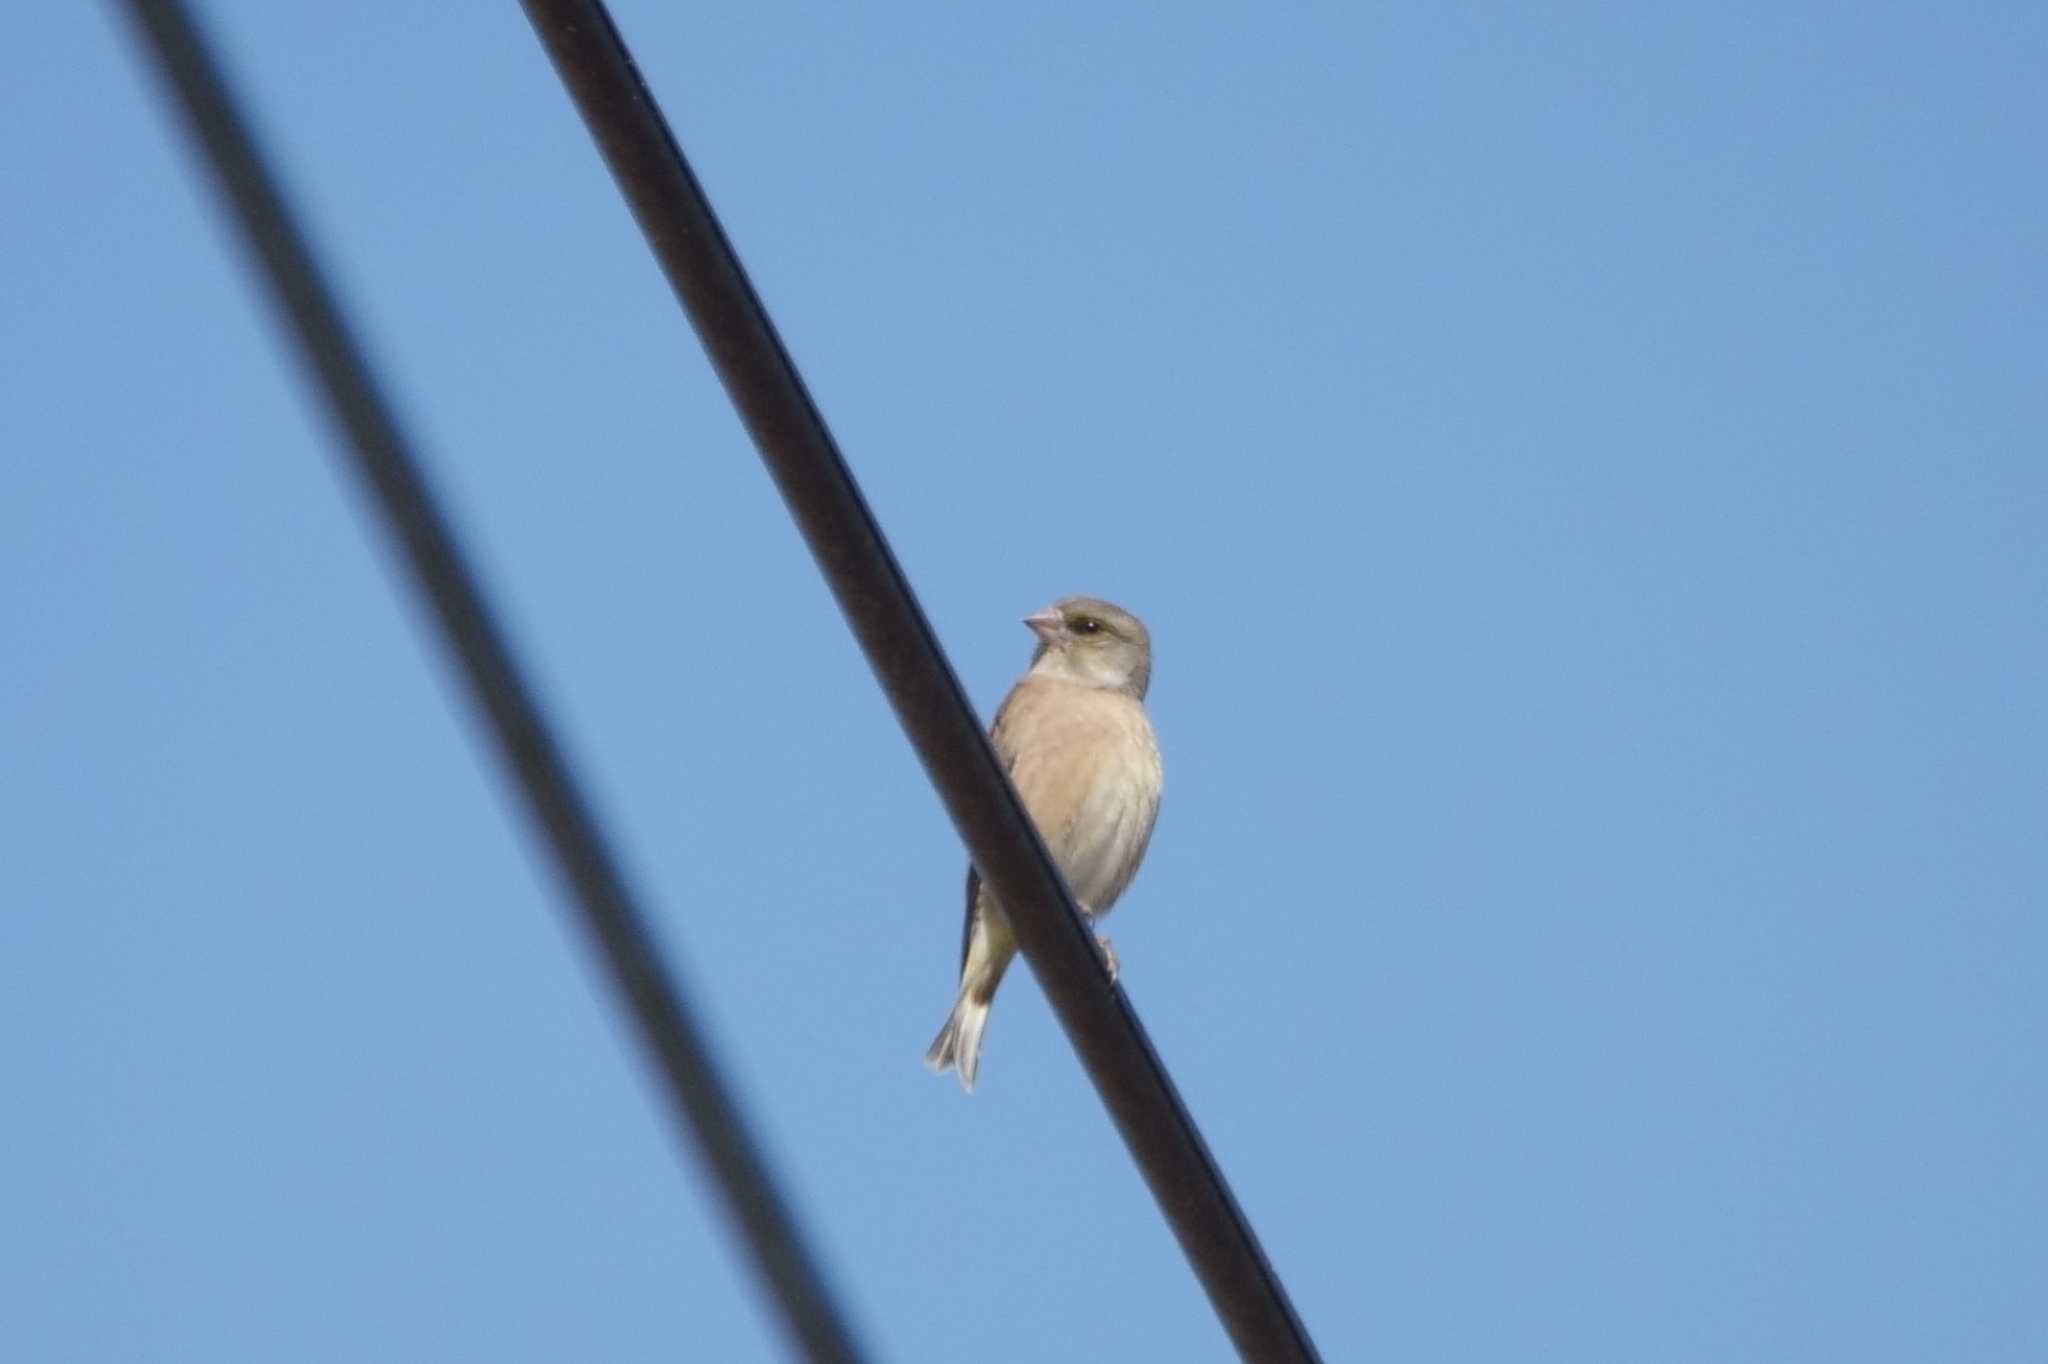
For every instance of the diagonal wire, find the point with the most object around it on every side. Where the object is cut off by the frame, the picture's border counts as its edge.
(607, 910)
(592, 61)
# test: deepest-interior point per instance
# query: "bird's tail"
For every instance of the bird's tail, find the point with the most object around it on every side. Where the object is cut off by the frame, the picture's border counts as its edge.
(958, 1045)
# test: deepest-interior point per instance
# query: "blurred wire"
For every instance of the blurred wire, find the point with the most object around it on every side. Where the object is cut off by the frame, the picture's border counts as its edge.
(383, 459)
(648, 164)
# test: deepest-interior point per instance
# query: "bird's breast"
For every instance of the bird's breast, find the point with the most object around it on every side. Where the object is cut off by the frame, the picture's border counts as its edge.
(1087, 765)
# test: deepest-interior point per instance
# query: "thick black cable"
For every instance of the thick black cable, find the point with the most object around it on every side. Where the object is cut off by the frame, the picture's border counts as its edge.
(381, 456)
(800, 453)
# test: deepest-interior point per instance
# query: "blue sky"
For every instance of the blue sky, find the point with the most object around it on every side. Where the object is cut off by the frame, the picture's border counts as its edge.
(1583, 467)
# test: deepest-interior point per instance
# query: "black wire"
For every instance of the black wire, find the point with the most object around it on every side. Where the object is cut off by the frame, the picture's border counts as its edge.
(649, 166)
(381, 455)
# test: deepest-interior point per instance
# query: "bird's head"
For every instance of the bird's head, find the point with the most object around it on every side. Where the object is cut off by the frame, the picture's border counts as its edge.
(1091, 641)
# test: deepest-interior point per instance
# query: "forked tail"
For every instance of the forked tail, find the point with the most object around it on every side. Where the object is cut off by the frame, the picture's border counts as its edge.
(958, 1045)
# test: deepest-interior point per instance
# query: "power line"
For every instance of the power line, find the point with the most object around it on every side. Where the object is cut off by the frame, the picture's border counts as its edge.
(875, 597)
(383, 459)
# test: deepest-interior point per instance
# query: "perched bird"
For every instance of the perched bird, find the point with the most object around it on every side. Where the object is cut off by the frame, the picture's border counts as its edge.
(1073, 735)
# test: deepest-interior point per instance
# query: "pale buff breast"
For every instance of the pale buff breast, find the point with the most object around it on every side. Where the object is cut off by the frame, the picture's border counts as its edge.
(1087, 765)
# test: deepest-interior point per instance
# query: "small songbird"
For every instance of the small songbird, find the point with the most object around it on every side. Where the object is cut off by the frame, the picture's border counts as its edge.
(1073, 735)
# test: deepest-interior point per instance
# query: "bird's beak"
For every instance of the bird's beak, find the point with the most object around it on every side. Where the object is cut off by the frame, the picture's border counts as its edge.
(1046, 624)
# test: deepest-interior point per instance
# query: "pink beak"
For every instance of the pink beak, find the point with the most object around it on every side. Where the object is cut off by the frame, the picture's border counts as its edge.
(1046, 624)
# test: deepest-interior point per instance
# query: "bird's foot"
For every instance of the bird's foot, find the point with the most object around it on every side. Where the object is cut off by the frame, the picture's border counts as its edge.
(1109, 961)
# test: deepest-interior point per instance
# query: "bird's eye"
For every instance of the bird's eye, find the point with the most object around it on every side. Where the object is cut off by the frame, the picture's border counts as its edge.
(1087, 625)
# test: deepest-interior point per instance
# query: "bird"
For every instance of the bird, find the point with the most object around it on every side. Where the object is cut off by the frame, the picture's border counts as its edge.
(1074, 737)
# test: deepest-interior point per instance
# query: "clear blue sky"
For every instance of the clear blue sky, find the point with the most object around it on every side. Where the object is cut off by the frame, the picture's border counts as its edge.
(1584, 468)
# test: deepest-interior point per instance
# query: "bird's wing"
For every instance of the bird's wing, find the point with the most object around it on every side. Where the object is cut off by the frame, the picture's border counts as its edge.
(967, 929)
(999, 737)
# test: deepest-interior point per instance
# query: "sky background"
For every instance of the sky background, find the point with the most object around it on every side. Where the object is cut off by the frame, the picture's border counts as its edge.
(1583, 467)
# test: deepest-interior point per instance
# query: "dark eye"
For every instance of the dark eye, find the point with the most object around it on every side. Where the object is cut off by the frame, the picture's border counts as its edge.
(1087, 625)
